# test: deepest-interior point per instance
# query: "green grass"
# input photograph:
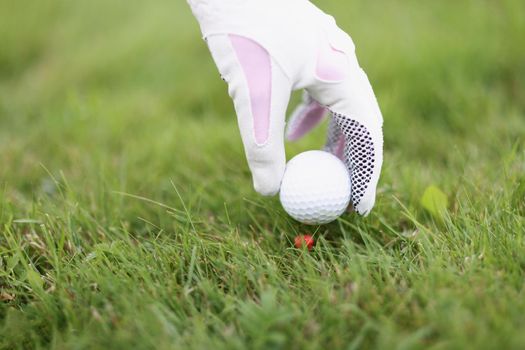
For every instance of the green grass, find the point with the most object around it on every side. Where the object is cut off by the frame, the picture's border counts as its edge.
(127, 217)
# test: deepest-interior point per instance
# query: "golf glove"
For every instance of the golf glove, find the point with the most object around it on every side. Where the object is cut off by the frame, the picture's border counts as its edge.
(265, 49)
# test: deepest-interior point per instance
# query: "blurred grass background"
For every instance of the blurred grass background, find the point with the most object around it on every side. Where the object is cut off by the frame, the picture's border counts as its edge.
(126, 209)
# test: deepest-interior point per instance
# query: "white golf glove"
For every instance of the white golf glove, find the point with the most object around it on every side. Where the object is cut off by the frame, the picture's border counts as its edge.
(264, 49)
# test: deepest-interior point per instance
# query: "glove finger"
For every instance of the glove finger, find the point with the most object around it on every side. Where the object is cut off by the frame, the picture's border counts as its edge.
(260, 92)
(363, 157)
(356, 112)
(305, 117)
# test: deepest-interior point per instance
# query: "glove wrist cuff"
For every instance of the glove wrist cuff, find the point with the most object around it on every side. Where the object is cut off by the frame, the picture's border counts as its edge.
(213, 15)
(219, 16)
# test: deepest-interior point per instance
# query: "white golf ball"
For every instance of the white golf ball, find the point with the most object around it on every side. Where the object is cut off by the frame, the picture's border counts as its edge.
(316, 188)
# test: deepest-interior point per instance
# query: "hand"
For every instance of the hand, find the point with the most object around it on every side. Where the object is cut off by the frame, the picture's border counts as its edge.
(264, 49)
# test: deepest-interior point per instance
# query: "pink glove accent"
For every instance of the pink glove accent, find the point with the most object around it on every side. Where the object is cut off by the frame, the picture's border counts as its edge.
(256, 64)
(304, 119)
(307, 116)
(332, 65)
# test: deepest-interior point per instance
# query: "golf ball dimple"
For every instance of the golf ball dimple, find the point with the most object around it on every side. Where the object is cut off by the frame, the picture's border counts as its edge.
(315, 188)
